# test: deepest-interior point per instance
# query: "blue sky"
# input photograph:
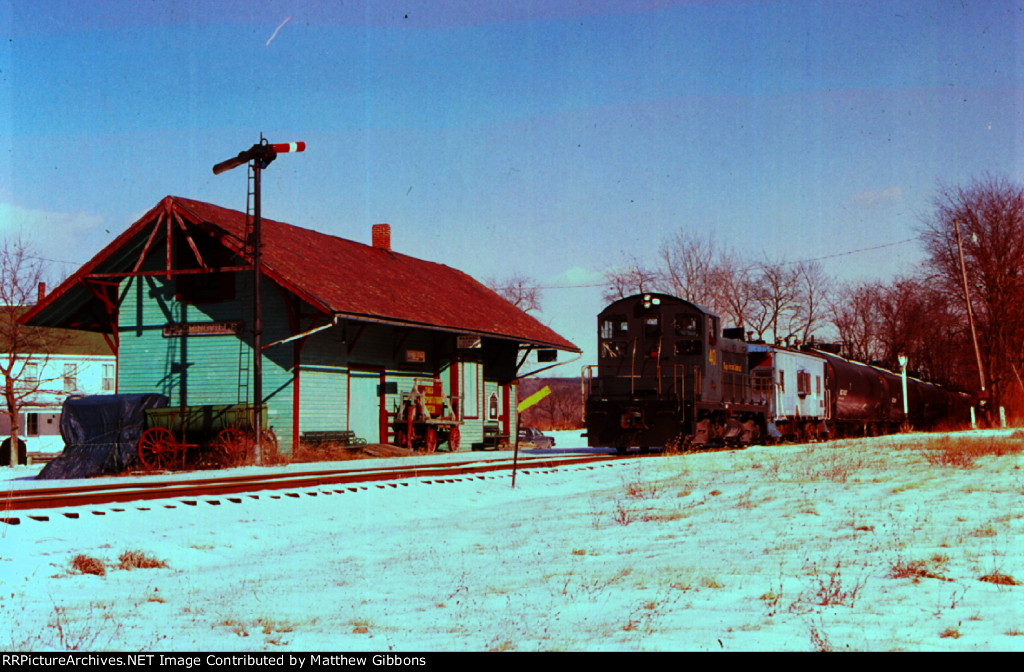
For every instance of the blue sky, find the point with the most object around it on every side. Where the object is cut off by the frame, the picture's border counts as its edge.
(554, 139)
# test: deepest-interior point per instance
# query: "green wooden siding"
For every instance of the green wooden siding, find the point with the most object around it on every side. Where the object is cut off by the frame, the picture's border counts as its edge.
(200, 370)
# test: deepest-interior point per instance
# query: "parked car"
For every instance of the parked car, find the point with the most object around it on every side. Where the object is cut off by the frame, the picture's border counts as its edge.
(531, 437)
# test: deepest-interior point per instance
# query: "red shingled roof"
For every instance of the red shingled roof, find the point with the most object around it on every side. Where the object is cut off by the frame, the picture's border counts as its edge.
(344, 277)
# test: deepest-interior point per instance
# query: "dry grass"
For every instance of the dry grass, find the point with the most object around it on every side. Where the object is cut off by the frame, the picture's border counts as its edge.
(85, 564)
(829, 588)
(1000, 579)
(139, 560)
(325, 452)
(919, 569)
(130, 559)
(962, 452)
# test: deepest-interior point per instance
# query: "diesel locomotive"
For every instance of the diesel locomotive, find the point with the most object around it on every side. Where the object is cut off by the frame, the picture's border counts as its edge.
(668, 375)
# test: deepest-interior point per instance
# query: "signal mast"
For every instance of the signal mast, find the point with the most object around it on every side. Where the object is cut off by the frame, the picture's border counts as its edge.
(259, 156)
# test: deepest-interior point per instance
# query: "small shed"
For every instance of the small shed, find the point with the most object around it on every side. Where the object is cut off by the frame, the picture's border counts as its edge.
(348, 329)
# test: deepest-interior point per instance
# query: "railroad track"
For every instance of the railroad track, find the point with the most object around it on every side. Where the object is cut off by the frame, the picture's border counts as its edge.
(189, 490)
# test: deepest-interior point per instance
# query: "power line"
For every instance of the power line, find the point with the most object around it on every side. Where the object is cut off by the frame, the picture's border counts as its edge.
(784, 263)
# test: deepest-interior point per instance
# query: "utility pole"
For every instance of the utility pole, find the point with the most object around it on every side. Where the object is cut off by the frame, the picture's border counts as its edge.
(260, 155)
(970, 312)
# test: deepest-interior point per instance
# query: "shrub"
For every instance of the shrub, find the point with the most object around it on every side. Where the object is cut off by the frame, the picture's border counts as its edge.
(1000, 579)
(138, 560)
(84, 564)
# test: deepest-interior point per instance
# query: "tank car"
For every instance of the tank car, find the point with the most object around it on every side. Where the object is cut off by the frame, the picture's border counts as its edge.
(862, 399)
(665, 376)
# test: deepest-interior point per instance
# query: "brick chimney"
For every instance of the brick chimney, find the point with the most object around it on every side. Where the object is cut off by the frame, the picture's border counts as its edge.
(41, 292)
(381, 235)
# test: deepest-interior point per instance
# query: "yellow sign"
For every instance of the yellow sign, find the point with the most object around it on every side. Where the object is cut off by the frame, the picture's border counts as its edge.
(533, 399)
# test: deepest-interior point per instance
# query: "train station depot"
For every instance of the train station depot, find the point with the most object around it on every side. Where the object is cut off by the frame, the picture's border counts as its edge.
(349, 331)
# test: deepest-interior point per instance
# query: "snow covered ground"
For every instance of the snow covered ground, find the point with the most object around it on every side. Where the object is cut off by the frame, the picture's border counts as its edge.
(873, 545)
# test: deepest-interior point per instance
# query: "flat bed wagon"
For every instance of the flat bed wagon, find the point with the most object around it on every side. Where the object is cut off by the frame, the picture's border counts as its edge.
(209, 436)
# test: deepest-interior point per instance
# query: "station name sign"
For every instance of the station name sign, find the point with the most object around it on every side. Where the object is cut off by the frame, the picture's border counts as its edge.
(222, 328)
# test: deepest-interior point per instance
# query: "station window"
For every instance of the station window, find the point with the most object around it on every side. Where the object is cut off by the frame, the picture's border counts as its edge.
(470, 389)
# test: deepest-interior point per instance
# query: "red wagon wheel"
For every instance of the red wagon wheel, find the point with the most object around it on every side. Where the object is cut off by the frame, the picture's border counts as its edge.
(453, 439)
(230, 448)
(158, 449)
(430, 441)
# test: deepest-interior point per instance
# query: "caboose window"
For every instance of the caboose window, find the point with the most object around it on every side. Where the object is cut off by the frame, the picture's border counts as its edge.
(652, 325)
(803, 383)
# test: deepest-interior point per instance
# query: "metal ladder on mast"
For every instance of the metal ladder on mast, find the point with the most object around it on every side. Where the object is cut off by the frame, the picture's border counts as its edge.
(248, 252)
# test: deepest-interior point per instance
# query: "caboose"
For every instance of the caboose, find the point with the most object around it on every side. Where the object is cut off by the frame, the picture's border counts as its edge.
(667, 377)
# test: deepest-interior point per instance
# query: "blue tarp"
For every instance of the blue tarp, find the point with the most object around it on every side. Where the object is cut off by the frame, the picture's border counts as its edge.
(101, 434)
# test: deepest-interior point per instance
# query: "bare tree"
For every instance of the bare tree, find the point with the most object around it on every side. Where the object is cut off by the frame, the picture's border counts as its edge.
(24, 351)
(737, 290)
(690, 268)
(776, 301)
(985, 223)
(520, 291)
(633, 278)
(813, 289)
(855, 317)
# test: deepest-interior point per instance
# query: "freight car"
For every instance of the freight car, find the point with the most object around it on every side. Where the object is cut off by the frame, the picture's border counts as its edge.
(667, 375)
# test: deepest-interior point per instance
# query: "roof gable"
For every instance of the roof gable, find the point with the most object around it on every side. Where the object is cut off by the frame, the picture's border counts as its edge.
(335, 275)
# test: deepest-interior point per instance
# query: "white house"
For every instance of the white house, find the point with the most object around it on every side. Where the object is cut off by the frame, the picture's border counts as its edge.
(82, 364)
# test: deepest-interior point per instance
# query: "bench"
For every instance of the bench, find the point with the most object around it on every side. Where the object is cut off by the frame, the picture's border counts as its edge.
(344, 437)
(493, 439)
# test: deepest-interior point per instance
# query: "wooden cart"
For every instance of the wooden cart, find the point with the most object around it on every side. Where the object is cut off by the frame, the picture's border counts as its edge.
(426, 418)
(201, 437)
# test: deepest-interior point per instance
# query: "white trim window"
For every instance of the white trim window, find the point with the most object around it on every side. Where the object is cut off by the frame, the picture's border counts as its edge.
(70, 377)
(108, 377)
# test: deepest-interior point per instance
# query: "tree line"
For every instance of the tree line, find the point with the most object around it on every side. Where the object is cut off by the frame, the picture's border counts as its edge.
(958, 317)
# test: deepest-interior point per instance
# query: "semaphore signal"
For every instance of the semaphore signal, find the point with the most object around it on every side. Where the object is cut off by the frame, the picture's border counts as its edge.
(260, 156)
